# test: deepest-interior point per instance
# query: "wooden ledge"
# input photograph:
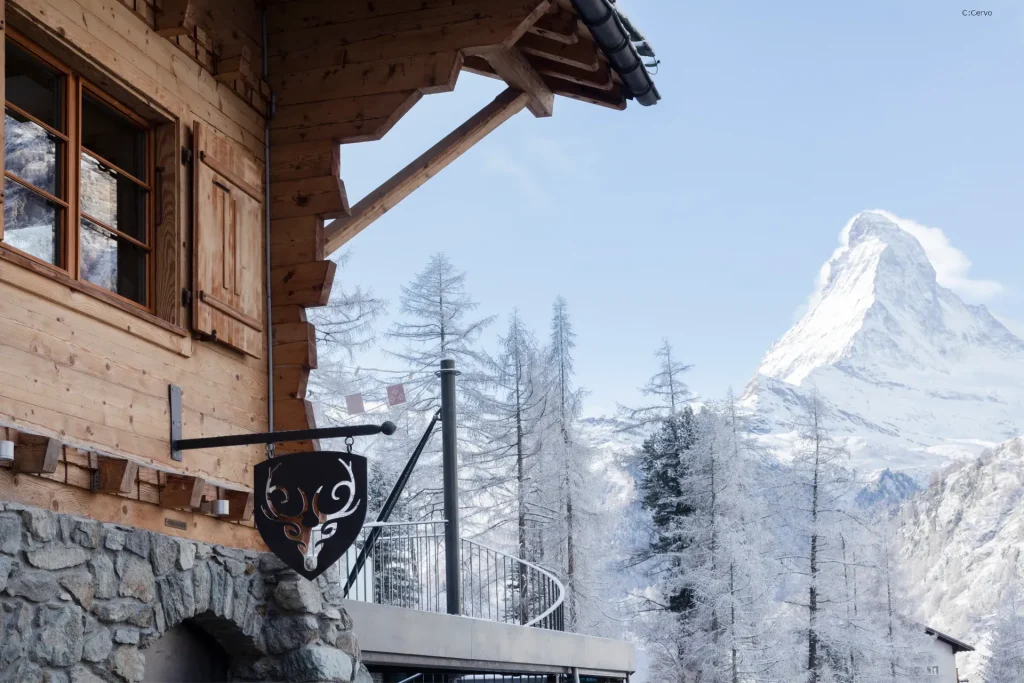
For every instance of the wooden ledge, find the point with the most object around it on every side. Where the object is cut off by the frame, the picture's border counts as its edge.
(25, 274)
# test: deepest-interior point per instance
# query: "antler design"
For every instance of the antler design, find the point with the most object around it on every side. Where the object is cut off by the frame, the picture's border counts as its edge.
(330, 522)
(295, 527)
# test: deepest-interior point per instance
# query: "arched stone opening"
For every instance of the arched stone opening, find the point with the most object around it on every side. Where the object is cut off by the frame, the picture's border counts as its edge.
(87, 602)
(186, 653)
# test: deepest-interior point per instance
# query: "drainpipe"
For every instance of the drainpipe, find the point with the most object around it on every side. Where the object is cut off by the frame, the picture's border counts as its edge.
(266, 239)
(603, 21)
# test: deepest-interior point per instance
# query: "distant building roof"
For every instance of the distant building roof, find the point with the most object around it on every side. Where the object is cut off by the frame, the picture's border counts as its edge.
(957, 645)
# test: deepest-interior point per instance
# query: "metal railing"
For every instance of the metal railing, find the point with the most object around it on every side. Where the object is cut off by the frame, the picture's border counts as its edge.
(405, 567)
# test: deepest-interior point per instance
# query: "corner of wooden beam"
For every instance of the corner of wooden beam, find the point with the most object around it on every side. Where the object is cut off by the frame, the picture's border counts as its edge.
(409, 179)
(36, 454)
(114, 475)
(181, 491)
(240, 504)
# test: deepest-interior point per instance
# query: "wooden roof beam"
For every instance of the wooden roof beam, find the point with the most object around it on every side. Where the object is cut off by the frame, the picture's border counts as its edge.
(516, 70)
(581, 55)
(561, 27)
(428, 164)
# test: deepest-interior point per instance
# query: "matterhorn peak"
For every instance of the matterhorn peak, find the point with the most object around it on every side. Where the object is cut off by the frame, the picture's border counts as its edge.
(902, 359)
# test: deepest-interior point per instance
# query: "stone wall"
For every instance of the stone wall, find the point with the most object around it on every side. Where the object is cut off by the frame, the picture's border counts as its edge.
(80, 601)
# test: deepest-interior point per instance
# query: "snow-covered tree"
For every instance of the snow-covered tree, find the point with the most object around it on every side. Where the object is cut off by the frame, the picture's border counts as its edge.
(346, 326)
(666, 391)
(816, 510)
(435, 325)
(505, 487)
(569, 491)
(1006, 663)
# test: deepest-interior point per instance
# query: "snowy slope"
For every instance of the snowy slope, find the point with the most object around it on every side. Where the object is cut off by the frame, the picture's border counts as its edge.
(962, 545)
(914, 376)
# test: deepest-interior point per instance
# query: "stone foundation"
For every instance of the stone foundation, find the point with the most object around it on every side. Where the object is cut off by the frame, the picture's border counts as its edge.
(80, 601)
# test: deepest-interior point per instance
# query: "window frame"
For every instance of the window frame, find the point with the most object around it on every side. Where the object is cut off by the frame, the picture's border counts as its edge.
(75, 88)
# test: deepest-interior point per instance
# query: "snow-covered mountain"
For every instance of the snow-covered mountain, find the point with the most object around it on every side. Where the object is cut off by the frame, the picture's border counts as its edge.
(913, 376)
(961, 544)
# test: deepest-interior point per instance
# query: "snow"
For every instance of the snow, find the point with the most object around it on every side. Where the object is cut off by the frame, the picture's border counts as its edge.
(915, 377)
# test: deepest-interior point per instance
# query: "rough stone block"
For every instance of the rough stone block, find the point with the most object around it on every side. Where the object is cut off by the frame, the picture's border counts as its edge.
(138, 541)
(137, 580)
(317, 663)
(126, 636)
(37, 586)
(164, 553)
(87, 533)
(59, 637)
(177, 597)
(106, 580)
(115, 539)
(128, 611)
(288, 633)
(81, 674)
(41, 523)
(298, 595)
(6, 564)
(81, 586)
(57, 556)
(10, 533)
(129, 663)
(98, 642)
(186, 555)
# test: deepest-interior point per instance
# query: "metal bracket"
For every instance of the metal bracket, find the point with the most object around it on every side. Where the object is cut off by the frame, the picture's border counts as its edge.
(179, 444)
(175, 396)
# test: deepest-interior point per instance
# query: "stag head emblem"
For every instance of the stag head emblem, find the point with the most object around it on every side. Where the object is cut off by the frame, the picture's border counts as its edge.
(310, 507)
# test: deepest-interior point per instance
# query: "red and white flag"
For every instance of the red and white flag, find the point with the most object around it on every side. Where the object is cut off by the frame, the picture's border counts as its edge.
(354, 404)
(396, 394)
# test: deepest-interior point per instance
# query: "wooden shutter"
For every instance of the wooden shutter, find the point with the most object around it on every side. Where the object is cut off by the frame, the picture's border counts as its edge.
(228, 267)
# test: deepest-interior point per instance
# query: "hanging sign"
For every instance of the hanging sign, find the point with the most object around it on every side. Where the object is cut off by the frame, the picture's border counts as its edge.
(309, 507)
(396, 394)
(354, 404)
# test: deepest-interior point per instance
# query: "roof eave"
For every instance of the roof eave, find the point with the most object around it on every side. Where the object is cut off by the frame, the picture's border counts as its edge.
(609, 28)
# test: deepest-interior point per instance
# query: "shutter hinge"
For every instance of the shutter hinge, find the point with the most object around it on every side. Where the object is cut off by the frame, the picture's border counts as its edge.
(186, 297)
(186, 155)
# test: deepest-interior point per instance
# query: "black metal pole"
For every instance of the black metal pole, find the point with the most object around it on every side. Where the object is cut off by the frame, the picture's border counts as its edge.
(453, 560)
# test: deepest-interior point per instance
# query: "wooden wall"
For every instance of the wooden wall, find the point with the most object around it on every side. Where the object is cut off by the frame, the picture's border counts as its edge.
(96, 378)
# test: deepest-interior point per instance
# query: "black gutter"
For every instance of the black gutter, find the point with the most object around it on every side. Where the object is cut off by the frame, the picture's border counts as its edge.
(609, 29)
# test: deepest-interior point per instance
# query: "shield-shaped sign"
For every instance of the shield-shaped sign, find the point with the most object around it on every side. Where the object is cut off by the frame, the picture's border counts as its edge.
(309, 507)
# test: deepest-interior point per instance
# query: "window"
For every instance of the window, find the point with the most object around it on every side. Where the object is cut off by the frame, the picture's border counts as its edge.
(90, 216)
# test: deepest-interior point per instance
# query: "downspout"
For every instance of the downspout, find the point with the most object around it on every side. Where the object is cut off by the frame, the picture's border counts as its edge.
(266, 235)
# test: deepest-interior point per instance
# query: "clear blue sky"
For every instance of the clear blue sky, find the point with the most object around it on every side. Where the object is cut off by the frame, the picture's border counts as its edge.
(706, 218)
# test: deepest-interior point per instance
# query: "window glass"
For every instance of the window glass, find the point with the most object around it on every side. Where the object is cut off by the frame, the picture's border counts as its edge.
(113, 199)
(32, 223)
(113, 262)
(111, 135)
(32, 153)
(34, 86)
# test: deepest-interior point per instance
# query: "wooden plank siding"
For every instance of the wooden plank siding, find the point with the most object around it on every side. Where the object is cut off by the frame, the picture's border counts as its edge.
(95, 378)
(344, 73)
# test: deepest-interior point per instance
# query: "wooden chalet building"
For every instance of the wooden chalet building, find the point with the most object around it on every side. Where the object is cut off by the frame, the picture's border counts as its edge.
(171, 198)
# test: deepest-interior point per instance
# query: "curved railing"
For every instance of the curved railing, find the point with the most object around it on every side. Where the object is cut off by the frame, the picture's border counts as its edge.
(405, 567)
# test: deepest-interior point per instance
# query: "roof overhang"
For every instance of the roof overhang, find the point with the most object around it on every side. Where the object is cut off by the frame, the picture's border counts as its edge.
(957, 645)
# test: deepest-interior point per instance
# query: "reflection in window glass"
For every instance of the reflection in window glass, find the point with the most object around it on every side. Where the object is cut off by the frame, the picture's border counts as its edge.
(34, 87)
(31, 222)
(113, 199)
(113, 262)
(32, 153)
(113, 136)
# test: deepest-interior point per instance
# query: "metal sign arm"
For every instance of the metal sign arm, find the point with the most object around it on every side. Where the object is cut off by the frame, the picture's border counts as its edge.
(179, 444)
